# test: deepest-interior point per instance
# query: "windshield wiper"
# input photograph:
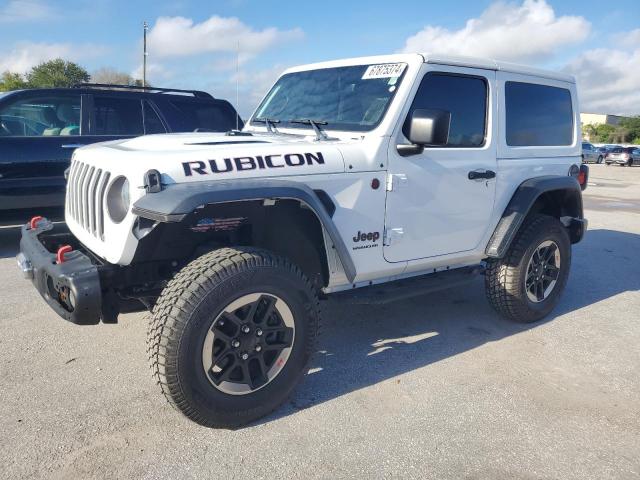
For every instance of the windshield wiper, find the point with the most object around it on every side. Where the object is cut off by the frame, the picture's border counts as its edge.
(315, 124)
(269, 122)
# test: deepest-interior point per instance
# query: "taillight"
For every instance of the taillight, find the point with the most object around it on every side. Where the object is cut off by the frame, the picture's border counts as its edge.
(583, 176)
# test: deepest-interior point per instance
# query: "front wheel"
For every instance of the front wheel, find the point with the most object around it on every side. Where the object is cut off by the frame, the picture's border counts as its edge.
(232, 334)
(600, 159)
(526, 284)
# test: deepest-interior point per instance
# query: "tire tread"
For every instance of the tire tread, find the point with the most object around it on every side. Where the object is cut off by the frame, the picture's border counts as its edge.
(182, 294)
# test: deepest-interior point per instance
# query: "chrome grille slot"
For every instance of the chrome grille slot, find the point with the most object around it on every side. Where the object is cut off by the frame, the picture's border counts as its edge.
(86, 190)
(86, 199)
(92, 199)
(78, 195)
(69, 192)
(84, 208)
(100, 195)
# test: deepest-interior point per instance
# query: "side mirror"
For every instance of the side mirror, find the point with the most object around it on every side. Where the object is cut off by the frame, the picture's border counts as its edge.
(427, 126)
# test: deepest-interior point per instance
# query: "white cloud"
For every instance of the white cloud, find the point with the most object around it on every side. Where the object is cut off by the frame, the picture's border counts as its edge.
(252, 85)
(628, 39)
(179, 36)
(155, 72)
(505, 31)
(173, 40)
(26, 55)
(608, 81)
(25, 11)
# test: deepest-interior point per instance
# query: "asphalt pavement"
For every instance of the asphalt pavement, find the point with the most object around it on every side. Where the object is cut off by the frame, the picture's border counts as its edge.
(434, 387)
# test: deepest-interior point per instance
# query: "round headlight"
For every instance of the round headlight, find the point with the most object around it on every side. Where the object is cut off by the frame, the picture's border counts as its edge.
(118, 199)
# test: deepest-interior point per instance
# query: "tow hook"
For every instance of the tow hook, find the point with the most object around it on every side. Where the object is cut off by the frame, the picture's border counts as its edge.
(34, 221)
(61, 253)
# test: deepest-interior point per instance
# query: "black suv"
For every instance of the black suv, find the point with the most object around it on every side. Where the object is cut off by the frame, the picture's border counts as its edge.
(40, 129)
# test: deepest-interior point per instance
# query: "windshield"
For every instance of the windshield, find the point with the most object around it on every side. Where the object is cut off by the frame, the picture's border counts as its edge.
(346, 98)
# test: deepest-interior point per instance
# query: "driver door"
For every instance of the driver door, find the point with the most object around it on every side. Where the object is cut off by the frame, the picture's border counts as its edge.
(440, 201)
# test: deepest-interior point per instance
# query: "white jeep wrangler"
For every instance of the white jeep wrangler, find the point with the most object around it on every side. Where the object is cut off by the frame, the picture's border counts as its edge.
(412, 171)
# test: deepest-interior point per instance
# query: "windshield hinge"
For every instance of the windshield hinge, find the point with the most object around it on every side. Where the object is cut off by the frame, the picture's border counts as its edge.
(396, 181)
(392, 235)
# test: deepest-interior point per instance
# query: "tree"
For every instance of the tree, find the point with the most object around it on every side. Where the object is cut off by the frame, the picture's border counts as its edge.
(12, 81)
(604, 133)
(57, 73)
(631, 126)
(591, 131)
(112, 76)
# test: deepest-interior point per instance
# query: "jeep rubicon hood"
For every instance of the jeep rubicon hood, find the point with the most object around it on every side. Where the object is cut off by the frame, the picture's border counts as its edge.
(195, 157)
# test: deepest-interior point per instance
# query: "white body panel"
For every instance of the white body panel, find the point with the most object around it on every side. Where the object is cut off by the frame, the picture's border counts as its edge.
(446, 218)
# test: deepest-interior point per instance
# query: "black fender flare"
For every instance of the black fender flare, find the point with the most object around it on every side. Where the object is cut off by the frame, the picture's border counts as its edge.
(520, 205)
(175, 201)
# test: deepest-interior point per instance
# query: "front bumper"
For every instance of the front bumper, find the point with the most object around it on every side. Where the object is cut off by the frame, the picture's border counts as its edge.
(72, 289)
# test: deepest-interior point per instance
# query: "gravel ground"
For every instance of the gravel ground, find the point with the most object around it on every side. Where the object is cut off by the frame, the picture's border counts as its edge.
(436, 387)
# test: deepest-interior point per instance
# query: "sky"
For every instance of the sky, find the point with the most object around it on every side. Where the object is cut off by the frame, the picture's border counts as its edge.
(195, 44)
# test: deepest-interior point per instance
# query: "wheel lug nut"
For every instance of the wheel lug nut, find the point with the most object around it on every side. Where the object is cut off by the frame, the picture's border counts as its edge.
(258, 348)
(244, 356)
(235, 343)
(246, 329)
(259, 332)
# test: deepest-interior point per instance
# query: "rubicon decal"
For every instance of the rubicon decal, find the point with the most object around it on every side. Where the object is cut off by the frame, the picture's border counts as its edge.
(258, 162)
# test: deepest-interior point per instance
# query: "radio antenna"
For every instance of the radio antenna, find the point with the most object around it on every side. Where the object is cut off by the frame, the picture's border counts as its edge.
(145, 27)
(238, 85)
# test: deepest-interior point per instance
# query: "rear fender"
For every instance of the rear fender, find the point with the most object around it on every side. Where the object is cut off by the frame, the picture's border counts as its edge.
(559, 196)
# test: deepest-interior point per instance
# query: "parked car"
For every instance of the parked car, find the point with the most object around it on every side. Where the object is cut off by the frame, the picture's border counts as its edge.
(40, 129)
(623, 156)
(590, 154)
(350, 177)
(602, 151)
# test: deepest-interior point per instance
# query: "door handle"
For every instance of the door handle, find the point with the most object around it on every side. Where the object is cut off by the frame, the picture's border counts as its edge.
(73, 145)
(481, 174)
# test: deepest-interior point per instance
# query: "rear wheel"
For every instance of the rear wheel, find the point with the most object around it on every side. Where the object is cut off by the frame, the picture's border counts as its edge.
(600, 159)
(231, 335)
(526, 284)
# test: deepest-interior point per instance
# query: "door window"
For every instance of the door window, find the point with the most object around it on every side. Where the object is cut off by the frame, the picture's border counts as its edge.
(41, 117)
(465, 97)
(117, 116)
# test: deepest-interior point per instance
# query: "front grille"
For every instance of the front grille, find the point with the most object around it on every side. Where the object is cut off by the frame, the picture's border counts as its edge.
(86, 189)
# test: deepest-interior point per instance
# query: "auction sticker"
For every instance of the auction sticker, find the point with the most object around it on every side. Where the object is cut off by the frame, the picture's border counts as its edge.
(385, 70)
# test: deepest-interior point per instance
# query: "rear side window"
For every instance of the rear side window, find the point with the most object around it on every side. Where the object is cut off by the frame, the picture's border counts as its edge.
(206, 117)
(464, 96)
(41, 117)
(117, 116)
(538, 115)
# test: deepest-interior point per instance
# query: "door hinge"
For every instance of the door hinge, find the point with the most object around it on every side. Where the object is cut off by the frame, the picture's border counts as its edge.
(393, 235)
(396, 181)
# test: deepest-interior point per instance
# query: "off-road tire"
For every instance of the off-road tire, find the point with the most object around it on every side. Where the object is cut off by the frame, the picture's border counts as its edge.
(505, 277)
(183, 315)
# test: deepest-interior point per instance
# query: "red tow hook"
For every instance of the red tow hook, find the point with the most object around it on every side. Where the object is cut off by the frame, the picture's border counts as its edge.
(34, 221)
(61, 253)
